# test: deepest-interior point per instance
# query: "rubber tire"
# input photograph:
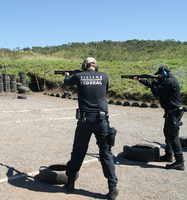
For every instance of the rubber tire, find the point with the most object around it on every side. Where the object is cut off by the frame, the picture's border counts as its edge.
(22, 89)
(154, 105)
(63, 96)
(141, 152)
(183, 141)
(144, 104)
(22, 97)
(185, 109)
(54, 174)
(67, 93)
(112, 102)
(136, 104)
(127, 103)
(119, 102)
(58, 95)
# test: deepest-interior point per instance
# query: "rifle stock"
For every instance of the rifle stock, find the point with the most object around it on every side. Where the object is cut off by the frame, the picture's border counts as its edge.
(70, 72)
(139, 76)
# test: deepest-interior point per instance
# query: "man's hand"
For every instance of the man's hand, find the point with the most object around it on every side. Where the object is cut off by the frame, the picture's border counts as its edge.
(136, 78)
(151, 80)
(66, 73)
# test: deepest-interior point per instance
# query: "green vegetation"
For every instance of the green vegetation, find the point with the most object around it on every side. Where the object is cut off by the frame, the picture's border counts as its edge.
(114, 58)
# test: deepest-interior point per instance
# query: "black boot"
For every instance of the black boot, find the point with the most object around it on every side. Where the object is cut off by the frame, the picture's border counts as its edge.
(166, 158)
(70, 185)
(113, 193)
(178, 165)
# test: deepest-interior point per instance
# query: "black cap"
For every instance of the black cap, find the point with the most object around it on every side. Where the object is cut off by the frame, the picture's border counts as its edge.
(162, 69)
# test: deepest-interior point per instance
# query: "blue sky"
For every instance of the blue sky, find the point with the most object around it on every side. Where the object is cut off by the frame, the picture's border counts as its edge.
(27, 23)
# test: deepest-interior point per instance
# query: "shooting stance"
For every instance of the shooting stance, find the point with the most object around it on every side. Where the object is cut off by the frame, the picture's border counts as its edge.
(167, 88)
(92, 116)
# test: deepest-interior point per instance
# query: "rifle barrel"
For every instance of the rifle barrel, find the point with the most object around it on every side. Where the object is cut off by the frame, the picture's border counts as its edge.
(139, 76)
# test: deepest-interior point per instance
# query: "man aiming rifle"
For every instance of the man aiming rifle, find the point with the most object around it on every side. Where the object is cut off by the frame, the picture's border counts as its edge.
(167, 88)
(92, 116)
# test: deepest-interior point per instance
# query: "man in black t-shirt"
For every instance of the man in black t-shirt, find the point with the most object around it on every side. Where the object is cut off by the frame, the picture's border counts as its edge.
(167, 88)
(92, 117)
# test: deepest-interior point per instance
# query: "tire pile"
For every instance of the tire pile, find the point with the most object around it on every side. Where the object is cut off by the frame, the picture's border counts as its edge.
(67, 94)
(134, 104)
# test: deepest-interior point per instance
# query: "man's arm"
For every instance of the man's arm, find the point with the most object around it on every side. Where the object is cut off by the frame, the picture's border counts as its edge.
(161, 89)
(147, 83)
(68, 80)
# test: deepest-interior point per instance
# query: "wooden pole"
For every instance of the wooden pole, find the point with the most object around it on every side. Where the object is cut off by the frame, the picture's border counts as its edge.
(37, 80)
(44, 76)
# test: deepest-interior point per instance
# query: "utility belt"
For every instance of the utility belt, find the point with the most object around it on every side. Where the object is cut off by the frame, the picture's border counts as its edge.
(102, 116)
(173, 111)
(175, 115)
(82, 115)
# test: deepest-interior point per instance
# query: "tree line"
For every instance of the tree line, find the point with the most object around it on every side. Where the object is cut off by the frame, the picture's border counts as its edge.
(126, 51)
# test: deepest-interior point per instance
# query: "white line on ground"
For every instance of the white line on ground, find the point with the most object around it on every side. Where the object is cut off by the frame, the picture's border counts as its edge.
(44, 110)
(35, 120)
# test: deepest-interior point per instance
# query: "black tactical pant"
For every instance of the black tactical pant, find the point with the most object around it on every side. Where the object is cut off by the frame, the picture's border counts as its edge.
(81, 141)
(171, 133)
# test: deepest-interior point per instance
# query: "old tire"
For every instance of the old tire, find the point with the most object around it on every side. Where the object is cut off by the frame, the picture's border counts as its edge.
(183, 141)
(141, 152)
(22, 89)
(22, 97)
(144, 105)
(58, 95)
(127, 103)
(67, 93)
(136, 104)
(112, 102)
(64, 96)
(119, 102)
(154, 105)
(54, 174)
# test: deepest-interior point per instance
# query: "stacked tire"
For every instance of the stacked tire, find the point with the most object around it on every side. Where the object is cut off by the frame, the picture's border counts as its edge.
(6, 83)
(22, 78)
(13, 83)
(1, 83)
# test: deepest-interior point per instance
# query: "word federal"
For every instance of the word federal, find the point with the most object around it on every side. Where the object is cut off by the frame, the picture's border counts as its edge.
(91, 80)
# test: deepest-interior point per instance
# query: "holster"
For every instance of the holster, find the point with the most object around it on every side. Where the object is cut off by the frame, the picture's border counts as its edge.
(175, 115)
(112, 133)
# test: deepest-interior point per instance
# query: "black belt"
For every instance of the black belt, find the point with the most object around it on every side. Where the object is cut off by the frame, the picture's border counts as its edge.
(91, 114)
(171, 111)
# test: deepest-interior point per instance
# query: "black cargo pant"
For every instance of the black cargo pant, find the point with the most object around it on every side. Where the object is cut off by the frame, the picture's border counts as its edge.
(81, 141)
(171, 133)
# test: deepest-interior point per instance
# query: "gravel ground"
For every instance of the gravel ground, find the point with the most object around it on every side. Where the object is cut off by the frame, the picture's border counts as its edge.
(39, 131)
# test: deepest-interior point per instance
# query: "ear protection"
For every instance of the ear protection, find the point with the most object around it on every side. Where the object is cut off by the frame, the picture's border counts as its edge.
(164, 73)
(84, 66)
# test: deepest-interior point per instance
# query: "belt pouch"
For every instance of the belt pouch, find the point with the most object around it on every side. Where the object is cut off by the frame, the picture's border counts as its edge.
(102, 115)
(78, 114)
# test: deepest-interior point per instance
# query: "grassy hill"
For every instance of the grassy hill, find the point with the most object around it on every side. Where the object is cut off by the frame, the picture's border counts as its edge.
(140, 57)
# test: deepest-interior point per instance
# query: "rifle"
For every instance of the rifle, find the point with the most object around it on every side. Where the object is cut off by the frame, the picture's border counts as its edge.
(70, 72)
(140, 76)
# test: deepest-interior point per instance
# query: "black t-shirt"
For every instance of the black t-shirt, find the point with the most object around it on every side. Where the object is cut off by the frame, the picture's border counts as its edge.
(168, 90)
(92, 87)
